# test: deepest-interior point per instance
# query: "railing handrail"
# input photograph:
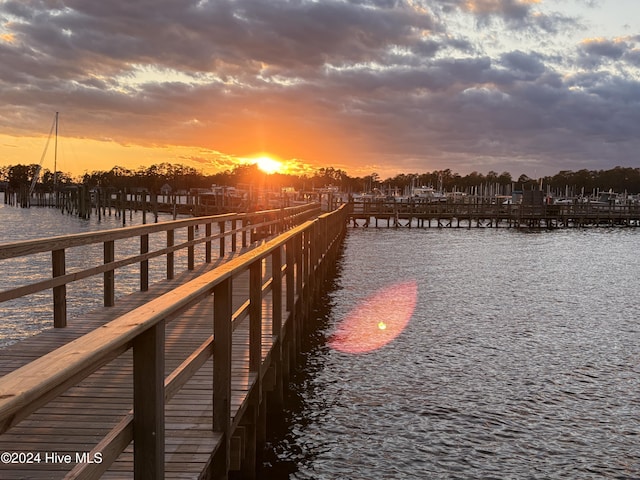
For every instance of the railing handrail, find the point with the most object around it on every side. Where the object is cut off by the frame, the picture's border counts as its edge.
(59, 245)
(29, 387)
(29, 247)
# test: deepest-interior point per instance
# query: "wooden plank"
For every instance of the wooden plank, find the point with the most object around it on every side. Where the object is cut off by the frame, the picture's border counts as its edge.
(106, 451)
(188, 368)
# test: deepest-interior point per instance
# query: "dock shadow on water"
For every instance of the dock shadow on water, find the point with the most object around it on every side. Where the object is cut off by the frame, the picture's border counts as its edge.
(286, 450)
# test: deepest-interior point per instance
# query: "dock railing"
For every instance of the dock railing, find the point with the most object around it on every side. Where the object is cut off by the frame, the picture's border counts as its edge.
(250, 227)
(298, 259)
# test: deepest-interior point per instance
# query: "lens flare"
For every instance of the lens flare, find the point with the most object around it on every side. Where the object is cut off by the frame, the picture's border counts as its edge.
(377, 320)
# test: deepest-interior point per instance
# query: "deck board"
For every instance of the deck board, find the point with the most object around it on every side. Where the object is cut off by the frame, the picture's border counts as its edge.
(83, 415)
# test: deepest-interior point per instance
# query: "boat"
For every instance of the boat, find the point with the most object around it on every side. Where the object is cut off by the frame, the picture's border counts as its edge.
(428, 194)
(608, 198)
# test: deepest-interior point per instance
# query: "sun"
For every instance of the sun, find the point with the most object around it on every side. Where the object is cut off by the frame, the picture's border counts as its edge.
(269, 165)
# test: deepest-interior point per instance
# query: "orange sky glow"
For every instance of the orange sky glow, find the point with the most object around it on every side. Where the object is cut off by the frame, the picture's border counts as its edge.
(80, 155)
(299, 150)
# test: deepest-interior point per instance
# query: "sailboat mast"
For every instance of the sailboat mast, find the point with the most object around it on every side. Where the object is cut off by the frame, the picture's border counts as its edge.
(55, 158)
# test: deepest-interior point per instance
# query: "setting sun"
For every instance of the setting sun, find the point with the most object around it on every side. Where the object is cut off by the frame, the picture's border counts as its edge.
(268, 165)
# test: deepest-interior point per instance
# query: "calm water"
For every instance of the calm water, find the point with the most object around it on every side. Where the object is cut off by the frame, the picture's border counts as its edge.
(26, 316)
(520, 360)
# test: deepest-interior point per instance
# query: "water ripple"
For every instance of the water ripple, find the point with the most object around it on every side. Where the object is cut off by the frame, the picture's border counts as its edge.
(521, 361)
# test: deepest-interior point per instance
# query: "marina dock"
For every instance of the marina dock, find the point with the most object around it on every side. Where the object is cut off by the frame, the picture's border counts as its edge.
(171, 381)
(472, 214)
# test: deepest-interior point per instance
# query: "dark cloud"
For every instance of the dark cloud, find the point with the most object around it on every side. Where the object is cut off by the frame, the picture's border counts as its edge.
(516, 14)
(527, 63)
(511, 10)
(362, 82)
(594, 53)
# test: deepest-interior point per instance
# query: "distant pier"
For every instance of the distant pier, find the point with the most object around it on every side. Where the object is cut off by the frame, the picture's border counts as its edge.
(81, 201)
(420, 214)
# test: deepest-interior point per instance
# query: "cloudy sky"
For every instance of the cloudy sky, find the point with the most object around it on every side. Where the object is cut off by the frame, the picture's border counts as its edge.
(385, 86)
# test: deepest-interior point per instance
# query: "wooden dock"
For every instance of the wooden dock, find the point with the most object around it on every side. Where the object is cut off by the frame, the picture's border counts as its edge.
(84, 202)
(424, 214)
(171, 381)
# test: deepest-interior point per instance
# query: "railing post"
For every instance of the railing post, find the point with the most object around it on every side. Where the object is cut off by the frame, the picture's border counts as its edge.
(272, 228)
(148, 403)
(190, 248)
(291, 275)
(221, 227)
(255, 316)
(299, 259)
(234, 236)
(300, 300)
(144, 264)
(109, 276)
(281, 218)
(305, 258)
(222, 330)
(318, 242)
(59, 293)
(276, 291)
(207, 249)
(324, 226)
(312, 253)
(170, 262)
(245, 222)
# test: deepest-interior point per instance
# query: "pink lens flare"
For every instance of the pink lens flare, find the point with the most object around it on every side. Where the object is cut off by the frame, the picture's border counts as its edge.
(377, 320)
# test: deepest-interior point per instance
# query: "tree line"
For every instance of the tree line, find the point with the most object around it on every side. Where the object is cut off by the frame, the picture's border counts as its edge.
(181, 177)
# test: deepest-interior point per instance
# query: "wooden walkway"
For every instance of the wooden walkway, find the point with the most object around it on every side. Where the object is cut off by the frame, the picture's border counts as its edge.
(74, 434)
(75, 421)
